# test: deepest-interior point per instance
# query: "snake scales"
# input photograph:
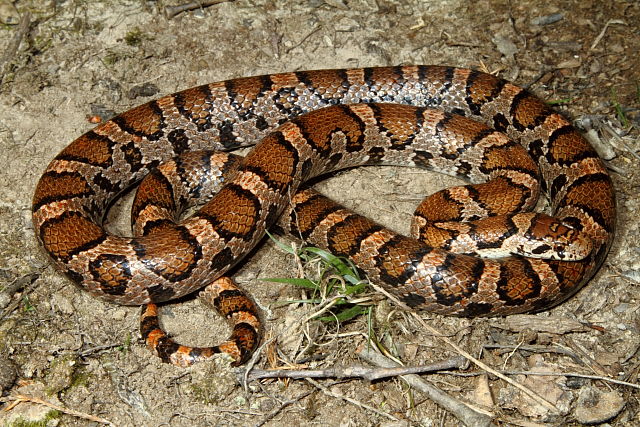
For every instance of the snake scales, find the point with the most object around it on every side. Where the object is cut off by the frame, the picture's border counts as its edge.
(172, 260)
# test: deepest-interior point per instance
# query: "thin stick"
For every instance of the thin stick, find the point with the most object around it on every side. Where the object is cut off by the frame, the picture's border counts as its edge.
(466, 414)
(23, 29)
(21, 398)
(328, 392)
(487, 368)
(573, 374)
(369, 374)
(604, 30)
(537, 349)
(171, 11)
(28, 282)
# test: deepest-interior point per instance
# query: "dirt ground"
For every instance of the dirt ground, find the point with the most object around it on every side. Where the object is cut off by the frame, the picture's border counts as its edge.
(80, 58)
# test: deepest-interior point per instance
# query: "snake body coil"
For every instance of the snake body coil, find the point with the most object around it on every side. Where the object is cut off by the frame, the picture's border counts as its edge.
(79, 184)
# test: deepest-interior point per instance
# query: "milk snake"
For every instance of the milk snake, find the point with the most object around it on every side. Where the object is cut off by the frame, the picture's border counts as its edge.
(172, 260)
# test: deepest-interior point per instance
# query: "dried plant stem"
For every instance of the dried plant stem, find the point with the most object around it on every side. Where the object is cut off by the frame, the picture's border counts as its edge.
(369, 374)
(171, 11)
(10, 52)
(466, 414)
(21, 398)
(328, 392)
(539, 399)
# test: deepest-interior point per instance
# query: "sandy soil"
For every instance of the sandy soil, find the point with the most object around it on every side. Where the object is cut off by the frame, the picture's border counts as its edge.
(81, 58)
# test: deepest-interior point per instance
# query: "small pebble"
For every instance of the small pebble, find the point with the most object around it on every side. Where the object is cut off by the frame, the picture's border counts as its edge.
(595, 407)
(547, 19)
(146, 89)
(8, 13)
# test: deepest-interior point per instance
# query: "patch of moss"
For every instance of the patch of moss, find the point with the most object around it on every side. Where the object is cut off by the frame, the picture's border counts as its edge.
(44, 422)
(111, 58)
(60, 375)
(135, 37)
(80, 378)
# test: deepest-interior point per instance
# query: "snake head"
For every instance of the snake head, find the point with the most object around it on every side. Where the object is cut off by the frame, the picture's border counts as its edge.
(549, 238)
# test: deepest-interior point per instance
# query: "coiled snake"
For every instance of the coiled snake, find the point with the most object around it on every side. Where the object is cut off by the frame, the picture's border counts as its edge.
(172, 260)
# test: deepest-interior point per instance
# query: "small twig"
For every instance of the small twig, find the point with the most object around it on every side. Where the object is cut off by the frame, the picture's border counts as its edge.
(604, 30)
(21, 398)
(324, 307)
(466, 414)
(487, 368)
(536, 349)
(328, 392)
(27, 282)
(591, 363)
(618, 139)
(23, 29)
(573, 374)
(369, 374)
(91, 350)
(243, 376)
(304, 39)
(171, 11)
